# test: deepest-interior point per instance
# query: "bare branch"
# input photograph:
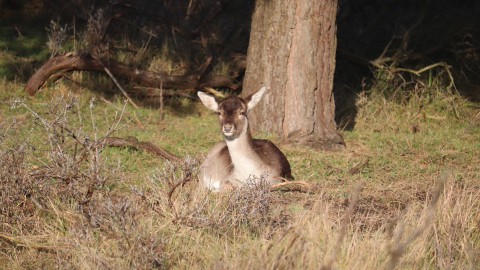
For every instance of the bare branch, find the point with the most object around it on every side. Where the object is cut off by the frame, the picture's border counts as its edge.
(134, 143)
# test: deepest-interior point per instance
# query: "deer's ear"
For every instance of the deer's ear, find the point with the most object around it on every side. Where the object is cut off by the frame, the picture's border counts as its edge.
(208, 101)
(253, 100)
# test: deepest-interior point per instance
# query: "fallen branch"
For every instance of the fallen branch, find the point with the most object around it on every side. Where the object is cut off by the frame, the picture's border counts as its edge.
(70, 62)
(134, 143)
(300, 186)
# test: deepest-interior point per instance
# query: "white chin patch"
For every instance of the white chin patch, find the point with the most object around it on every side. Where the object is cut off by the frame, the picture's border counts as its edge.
(228, 134)
(216, 186)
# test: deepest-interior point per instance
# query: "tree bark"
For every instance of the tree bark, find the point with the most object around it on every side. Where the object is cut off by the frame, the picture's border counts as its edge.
(292, 51)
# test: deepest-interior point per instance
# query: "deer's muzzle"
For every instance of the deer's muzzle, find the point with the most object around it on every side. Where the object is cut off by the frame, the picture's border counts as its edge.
(228, 128)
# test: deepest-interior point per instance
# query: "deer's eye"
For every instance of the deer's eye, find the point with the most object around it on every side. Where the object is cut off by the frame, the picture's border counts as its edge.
(242, 113)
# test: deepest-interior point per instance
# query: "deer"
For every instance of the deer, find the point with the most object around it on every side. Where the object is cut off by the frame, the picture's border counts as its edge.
(240, 159)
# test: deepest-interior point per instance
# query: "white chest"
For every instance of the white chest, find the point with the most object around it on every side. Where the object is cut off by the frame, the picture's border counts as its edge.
(245, 169)
(246, 163)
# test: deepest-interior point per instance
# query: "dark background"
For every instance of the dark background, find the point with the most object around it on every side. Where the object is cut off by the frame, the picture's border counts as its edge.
(377, 39)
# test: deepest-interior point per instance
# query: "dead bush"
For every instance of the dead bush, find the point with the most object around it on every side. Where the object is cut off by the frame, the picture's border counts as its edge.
(17, 191)
(68, 153)
(172, 195)
(120, 219)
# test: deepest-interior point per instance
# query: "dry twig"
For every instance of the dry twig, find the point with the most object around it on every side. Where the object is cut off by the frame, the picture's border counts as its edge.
(397, 252)
(134, 143)
(343, 229)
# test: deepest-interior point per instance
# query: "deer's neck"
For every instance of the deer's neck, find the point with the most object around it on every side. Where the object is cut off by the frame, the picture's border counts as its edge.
(244, 158)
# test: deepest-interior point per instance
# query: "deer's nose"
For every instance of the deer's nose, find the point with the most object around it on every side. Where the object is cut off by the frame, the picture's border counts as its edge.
(227, 128)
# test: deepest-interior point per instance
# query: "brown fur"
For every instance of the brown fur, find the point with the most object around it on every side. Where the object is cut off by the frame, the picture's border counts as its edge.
(240, 156)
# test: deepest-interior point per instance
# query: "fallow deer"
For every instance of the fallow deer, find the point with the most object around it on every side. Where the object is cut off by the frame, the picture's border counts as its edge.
(240, 158)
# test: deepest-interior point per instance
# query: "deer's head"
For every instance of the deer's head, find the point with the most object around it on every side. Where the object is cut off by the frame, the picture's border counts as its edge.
(232, 112)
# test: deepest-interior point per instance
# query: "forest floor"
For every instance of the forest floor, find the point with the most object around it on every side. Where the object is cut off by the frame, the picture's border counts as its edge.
(404, 193)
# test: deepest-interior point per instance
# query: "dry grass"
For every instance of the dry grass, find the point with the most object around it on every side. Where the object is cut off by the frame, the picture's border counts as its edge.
(68, 202)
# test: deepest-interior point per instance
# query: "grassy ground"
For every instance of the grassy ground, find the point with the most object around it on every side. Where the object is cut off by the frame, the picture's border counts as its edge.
(70, 203)
(405, 192)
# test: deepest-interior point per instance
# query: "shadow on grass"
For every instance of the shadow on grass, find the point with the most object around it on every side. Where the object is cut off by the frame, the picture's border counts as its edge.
(23, 36)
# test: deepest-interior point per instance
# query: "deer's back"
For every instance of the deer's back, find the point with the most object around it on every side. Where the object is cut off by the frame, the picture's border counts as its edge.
(273, 157)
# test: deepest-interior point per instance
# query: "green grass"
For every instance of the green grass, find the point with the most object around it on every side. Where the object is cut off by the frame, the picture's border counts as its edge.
(402, 146)
(22, 43)
(296, 230)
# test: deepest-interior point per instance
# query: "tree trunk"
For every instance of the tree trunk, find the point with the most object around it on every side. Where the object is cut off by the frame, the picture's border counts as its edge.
(292, 51)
